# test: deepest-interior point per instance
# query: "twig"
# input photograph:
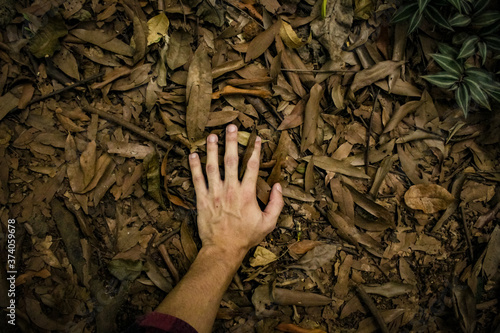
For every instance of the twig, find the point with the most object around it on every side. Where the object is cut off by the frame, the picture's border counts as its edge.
(295, 70)
(168, 261)
(467, 235)
(373, 309)
(60, 91)
(129, 126)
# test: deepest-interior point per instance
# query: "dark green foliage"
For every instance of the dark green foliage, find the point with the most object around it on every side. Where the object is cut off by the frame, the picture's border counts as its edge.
(474, 31)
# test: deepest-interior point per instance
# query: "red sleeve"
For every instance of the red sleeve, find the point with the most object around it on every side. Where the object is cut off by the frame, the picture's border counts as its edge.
(156, 322)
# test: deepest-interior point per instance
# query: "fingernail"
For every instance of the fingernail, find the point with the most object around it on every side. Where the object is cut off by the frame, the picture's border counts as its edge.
(193, 155)
(212, 138)
(231, 128)
(258, 139)
(278, 187)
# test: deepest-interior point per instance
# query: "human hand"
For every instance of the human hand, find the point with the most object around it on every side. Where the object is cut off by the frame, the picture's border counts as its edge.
(229, 217)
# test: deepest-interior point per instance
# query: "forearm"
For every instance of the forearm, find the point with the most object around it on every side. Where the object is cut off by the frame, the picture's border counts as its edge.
(197, 297)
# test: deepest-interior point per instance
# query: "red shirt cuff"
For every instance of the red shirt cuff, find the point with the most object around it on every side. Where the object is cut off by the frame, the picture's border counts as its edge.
(164, 322)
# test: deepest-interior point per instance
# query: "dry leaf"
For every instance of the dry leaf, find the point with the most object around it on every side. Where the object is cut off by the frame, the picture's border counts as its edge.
(303, 246)
(389, 289)
(375, 73)
(158, 28)
(311, 116)
(261, 43)
(188, 244)
(430, 198)
(262, 257)
(179, 49)
(343, 167)
(290, 38)
(198, 94)
(291, 328)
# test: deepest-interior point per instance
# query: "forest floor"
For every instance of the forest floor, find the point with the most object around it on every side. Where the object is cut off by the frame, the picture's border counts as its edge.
(392, 196)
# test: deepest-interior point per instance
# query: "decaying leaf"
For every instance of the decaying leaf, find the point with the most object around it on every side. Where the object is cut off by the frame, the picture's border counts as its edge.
(179, 49)
(46, 40)
(125, 269)
(294, 297)
(198, 94)
(430, 198)
(342, 167)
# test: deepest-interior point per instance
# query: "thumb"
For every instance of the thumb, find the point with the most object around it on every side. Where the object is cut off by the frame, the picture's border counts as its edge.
(274, 206)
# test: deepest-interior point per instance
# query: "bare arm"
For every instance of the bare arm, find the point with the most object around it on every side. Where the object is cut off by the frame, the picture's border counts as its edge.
(230, 222)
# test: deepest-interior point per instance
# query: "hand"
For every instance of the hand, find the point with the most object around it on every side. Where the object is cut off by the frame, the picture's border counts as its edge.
(229, 217)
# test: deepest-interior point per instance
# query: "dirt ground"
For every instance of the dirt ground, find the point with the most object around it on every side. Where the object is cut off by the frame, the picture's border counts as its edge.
(392, 196)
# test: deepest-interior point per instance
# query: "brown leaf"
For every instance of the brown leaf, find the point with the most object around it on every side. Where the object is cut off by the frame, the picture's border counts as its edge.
(261, 43)
(198, 94)
(375, 73)
(188, 244)
(492, 258)
(295, 192)
(179, 49)
(303, 246)
(294, 297)
(311, 116)
(318, 257)
(88, 162)
(7, 103)
(295, 118)
(309, 176)
(400, 113)
(138, 18)
(104, 40)
(343, 167)
(430, 198)
(389, 289)
(28, 90)
(291, 328)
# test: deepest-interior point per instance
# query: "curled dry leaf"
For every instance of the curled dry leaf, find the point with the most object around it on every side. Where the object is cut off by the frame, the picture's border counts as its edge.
(430, 198)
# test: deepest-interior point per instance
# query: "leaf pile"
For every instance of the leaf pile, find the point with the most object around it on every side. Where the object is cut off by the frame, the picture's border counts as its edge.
(391, 195)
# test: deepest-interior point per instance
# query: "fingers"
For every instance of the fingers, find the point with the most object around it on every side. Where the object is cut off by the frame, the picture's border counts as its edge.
(198, 179)
(274, 206)
(213, 174)
(252, 170)
(231, 155)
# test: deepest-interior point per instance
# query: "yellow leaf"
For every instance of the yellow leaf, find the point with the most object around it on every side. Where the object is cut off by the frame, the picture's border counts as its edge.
(262, 257)
(290, 38)
(158, 28)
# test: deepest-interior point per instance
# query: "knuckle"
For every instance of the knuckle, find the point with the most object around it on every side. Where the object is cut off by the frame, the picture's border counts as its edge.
(198, 179)
(211, 168)
(253, 164)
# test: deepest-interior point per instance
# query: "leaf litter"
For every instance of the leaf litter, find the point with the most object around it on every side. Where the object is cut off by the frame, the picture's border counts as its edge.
(391, 196)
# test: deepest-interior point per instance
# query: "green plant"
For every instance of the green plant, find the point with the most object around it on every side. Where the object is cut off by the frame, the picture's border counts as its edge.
(469, 83)
(473, 30)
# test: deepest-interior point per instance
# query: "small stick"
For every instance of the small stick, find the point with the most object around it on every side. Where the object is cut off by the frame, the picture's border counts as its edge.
(373, 309)
(230, 90)
(129, 126)
(57, 92)
(168, 261)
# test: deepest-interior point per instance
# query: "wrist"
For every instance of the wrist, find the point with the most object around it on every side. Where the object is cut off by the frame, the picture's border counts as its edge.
(231, 258)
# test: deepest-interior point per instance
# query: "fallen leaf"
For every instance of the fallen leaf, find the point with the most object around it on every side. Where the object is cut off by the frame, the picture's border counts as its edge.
(311, 115)
(389, 289)
(342, 167)
(492, 258)
(198, 94)
(188, 244)
(375, 73)
(104, 41)
(294, 297)
(125, 269)
(152, 178)
(430, 198)
(262, 257)
(157, 28)
(318, 257)
(261, 43)
(291, 328)
(303, 246)
(46, 40)
(290, 38)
